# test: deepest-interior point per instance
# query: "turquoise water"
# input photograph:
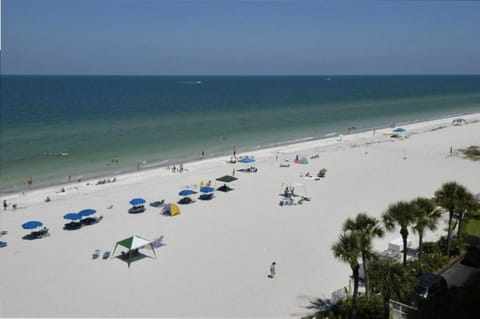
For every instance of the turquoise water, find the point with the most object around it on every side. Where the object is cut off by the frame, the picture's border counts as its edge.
(162, 119)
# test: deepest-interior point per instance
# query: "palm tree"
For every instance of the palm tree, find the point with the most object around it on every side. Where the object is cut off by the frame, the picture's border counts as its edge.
(467, 203)
(347, 249)
(401, 214)
(390, 279)
(367, 228)
(456, 200)
(426, 217)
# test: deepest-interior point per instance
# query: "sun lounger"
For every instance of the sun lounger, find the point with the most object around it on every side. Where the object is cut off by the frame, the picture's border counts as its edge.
(322, 172)
(206, 196)
(72, 226)
(106, 254)
(224, 188)
(185, 200)
(92, 220)
(158, 243)
(96, 254)
(157, 203)
(41, 233)
(137, 209)
(301, 200)
(286, 202)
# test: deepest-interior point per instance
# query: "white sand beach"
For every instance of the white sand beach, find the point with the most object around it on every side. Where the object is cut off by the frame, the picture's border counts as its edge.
(218, 253)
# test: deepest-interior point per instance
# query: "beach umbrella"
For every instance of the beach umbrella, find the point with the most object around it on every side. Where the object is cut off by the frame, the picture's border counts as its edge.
(32, 224)
(301, 160)
(246, 160)
(137, 201)
(72, 216)
(227, 179)
(399, 130)
(186, 192)
(87, 212)
(207, 189)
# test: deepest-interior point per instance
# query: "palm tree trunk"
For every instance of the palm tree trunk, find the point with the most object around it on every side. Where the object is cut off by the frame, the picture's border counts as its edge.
(356, 275)
(449, 232)
(404, 233)
(365, 274)
(420, 243)
(460, 220)
(386, 308)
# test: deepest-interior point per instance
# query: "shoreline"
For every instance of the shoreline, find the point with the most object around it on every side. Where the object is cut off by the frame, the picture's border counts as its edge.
(147, 166)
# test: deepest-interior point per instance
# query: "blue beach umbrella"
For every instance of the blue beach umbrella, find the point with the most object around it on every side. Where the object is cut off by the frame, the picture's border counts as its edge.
(207, 189)
(399, 130)
(86, 212)
(72, 216)
(186, 192)
(32, 224)
(137, 201)
(246, 160)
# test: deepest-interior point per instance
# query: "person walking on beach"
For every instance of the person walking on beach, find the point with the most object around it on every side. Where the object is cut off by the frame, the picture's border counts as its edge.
(5, 205)
(273, 272)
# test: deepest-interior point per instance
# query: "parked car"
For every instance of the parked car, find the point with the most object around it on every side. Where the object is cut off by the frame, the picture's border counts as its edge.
(429, 288)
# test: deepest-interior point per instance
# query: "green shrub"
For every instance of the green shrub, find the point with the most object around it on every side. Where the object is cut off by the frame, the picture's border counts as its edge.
(456, 246)
(369, 308)
(471, 152)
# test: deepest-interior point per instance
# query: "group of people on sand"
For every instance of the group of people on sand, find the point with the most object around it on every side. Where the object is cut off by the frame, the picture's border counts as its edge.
(289, 192)
(5, 205)
(178, 169)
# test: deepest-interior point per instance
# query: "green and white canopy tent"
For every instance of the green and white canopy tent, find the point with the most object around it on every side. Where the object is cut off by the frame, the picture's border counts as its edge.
(134, 243)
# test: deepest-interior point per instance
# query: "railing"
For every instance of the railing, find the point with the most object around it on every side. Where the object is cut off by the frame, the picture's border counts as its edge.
(399, 310)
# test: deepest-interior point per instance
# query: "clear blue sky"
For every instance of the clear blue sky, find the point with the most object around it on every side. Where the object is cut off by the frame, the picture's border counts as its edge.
(240, 37)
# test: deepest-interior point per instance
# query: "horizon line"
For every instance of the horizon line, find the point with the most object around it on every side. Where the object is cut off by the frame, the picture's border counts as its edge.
(239, 75)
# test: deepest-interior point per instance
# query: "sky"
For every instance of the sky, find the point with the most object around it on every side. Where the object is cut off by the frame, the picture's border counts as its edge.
(159, 37)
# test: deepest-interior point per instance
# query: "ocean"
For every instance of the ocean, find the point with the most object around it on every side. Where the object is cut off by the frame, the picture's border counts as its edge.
(53, 127)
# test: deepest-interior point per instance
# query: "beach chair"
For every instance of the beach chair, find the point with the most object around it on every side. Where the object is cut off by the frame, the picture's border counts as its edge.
(96, 254)
(106, 254)
(157, 203)
(157, 243)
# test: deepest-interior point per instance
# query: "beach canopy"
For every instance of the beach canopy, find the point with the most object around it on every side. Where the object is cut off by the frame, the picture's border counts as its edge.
(207, 189)
(301, 160)
(86, 212)
(186, 192)
(227, 179)
(246, 160)
(32, 224)
(72, 216)
(399, 130)
(137, 201)
(171, 209)
(134, 243)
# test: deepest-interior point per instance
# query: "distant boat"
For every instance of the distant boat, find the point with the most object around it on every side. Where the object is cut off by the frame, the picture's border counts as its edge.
(192, 82)
(56, 154)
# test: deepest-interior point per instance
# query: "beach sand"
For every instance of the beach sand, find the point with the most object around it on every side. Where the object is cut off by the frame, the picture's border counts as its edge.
(218, 253)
